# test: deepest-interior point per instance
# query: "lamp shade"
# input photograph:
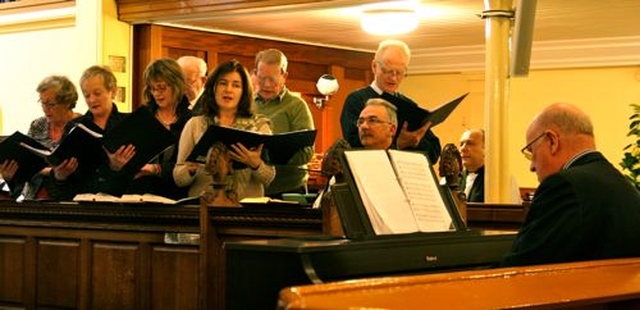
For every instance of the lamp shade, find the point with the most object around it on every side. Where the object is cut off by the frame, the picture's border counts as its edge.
(389, 21)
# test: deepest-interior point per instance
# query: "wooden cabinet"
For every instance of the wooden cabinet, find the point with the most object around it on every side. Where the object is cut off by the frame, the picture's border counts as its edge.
(306, 64)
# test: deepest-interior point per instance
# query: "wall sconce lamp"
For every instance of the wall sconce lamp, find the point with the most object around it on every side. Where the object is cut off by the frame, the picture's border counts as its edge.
(327, 85)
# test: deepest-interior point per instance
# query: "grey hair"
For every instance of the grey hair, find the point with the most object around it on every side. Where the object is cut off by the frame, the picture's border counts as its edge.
(62, 86)
(187, 60)
(391, 109)
(272, 56)
(386, 44)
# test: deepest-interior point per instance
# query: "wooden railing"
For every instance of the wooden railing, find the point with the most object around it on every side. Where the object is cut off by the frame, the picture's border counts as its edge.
(606, 284)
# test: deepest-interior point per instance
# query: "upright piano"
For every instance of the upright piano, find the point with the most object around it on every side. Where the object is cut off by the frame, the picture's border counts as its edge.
(256, 270)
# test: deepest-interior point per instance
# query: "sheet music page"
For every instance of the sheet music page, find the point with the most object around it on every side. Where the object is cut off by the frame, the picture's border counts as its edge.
(382, 196)
(421, 189)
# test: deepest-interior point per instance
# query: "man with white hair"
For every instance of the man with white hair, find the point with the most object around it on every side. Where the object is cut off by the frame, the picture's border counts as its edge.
(195, 74)
(389, 68)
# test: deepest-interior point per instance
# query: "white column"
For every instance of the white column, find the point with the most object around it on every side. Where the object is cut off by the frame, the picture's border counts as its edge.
(497, 170)
(89, 32)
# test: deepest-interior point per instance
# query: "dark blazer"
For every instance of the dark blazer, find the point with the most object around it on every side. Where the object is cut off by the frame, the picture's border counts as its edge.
(585, 212)
(476, 194)
(354, 104)
(102, 180)
(164, 184)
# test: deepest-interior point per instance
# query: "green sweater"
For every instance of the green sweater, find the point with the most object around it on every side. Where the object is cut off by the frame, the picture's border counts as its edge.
(288, 112)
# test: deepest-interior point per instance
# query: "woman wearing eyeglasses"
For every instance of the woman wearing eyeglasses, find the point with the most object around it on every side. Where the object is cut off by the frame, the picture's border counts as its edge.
(165, 97)
(58, 97)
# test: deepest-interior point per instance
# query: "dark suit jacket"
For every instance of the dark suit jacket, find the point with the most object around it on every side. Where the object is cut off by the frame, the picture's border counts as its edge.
(586, 212)
(354, 104)
(476, 194)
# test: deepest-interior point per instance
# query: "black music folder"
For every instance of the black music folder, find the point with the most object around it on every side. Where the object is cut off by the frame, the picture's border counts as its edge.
(279, 148)
(28, 162)
(145, 132)
(417, 116)
(81, 142)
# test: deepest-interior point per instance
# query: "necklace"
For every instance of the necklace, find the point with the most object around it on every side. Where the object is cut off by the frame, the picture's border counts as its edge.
(166, 123)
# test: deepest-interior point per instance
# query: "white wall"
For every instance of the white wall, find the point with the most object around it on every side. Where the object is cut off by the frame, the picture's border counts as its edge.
(52, 51)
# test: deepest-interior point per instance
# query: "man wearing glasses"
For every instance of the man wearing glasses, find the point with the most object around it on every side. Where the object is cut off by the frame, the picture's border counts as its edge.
(389, 67)
(377, 124)
(584, 208)
(288, 112)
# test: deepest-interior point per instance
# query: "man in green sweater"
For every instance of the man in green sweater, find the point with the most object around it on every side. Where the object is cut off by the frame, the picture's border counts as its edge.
(288, 112)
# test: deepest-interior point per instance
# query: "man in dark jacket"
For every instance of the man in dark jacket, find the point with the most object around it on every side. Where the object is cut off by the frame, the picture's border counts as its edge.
(584, 208)
(472, 153)
(389, 67)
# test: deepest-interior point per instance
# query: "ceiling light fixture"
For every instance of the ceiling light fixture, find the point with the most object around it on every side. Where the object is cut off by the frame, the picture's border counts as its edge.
(389, 21)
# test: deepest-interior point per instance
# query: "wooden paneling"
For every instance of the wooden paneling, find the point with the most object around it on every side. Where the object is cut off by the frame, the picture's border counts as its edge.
(12, 258)
(58, 273)
(90, 256)
(306, 64)
(113, 256)
(113, 275)
(177, 268)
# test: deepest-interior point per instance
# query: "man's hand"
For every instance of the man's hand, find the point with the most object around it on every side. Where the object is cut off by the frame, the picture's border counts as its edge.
(411, 139)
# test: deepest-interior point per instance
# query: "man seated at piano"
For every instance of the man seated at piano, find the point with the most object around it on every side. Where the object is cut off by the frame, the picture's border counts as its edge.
(584, 208)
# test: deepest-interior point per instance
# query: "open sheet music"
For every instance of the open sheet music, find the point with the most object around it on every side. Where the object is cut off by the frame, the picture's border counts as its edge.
(398, 191)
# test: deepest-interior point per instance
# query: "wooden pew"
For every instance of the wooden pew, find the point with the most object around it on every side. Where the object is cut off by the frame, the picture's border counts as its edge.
(114, 256)
(222, 224)
(97, 256)
(605, 284)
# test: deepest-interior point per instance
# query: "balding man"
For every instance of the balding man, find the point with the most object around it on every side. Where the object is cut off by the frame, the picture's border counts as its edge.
(472, 153)
(584, 208)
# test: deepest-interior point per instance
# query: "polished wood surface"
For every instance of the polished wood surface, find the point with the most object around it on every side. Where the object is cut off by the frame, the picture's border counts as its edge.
(606, 284)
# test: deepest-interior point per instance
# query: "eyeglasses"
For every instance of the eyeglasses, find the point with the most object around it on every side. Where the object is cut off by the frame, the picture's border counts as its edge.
(391, 73)
(526, 150)
(159, 88)
(371, 121)
(273, 79)
(47, 104)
